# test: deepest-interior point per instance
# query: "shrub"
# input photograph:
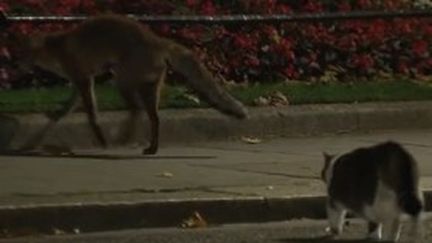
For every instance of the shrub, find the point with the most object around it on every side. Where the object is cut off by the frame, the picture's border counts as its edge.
(336, 50)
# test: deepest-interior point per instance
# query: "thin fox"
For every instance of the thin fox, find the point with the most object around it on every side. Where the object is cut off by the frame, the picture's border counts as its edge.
(140, 59)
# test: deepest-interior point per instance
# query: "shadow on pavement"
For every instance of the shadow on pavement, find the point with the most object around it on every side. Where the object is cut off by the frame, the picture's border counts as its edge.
(323, 239)
(42, 154)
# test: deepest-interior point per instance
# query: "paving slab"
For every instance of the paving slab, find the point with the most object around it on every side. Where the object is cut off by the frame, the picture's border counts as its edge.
(229, 181)
(274, 167)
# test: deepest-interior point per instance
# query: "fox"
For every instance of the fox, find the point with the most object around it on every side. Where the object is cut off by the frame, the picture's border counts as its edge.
(139, 59)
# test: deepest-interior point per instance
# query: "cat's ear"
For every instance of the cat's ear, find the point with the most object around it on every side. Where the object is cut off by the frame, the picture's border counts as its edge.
(327, 157)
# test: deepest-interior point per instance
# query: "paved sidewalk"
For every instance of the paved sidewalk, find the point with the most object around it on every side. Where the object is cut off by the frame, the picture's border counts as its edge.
(226, 182)
(281, 167)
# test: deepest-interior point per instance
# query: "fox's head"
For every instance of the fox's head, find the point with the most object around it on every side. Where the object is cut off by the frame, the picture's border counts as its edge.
(4, 22)
(26, 50)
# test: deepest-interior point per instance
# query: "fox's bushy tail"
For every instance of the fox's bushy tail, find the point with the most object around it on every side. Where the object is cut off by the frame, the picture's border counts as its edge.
(202, 81)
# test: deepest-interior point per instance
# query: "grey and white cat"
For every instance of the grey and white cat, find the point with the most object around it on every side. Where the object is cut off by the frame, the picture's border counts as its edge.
(378, 183)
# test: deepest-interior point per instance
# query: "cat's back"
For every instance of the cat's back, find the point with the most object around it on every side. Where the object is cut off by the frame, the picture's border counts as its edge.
(358, 175)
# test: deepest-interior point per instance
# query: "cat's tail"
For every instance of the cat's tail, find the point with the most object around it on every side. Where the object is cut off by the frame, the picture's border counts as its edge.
(412, 204)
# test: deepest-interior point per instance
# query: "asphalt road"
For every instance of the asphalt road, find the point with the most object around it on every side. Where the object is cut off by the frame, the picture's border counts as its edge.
(296, 231)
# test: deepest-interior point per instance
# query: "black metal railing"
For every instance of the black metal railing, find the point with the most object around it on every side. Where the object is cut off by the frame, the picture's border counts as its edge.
(226, 19)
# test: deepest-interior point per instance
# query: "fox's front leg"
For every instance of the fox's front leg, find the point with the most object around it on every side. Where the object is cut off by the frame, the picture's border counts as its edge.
(54, 117)
(150, 93)
(150, 98)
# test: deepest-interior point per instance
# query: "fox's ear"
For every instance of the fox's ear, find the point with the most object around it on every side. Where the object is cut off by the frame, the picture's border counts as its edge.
(4, 21)
(25, 41)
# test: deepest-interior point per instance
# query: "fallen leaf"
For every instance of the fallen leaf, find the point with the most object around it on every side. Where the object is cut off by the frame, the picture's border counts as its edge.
(192, 98)
(194, 221)
(261, 101)
(166, 174)
(58, 231)
(278, 99)
(251, 140)
(273, 99)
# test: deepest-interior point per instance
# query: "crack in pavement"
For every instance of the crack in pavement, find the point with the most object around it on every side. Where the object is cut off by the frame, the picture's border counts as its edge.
(294, 176)
(255, 151)
(131, 191)
(208, 189)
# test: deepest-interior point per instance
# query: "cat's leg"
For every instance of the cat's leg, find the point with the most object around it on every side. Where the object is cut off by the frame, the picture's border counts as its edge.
(336, 218)
(392, 229)
(375, 231)
(417, 229)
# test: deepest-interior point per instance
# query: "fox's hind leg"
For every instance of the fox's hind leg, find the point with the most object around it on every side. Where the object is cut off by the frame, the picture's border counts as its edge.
(143, 72)
(54, 117)
(150, 97)
(128, 129)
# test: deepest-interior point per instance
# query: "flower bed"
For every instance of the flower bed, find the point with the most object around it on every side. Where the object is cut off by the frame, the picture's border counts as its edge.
(325, 51)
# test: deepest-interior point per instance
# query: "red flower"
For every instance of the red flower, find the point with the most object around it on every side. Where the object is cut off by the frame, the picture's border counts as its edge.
(420, 47)
(221, 32)
(4, 76)
(191, 3)
(89, 5)
(284, 8)
(347, 42)
(4, 52)
(344, 6)
(284, 48)
(252, 61)
(269, 30)
(428, 29)
(208, 8)
(313, 6)
(244, 41)
(376, 31)
(362, 61)
(404, 26)
(403, 68)
(290, 71)
(4, 7)
(364, 4)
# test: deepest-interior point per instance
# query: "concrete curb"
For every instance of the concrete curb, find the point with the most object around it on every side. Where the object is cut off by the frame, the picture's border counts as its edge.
(194, 125)
(167, 213)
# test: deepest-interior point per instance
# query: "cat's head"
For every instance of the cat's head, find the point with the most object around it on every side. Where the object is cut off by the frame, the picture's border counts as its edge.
(328, 158)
